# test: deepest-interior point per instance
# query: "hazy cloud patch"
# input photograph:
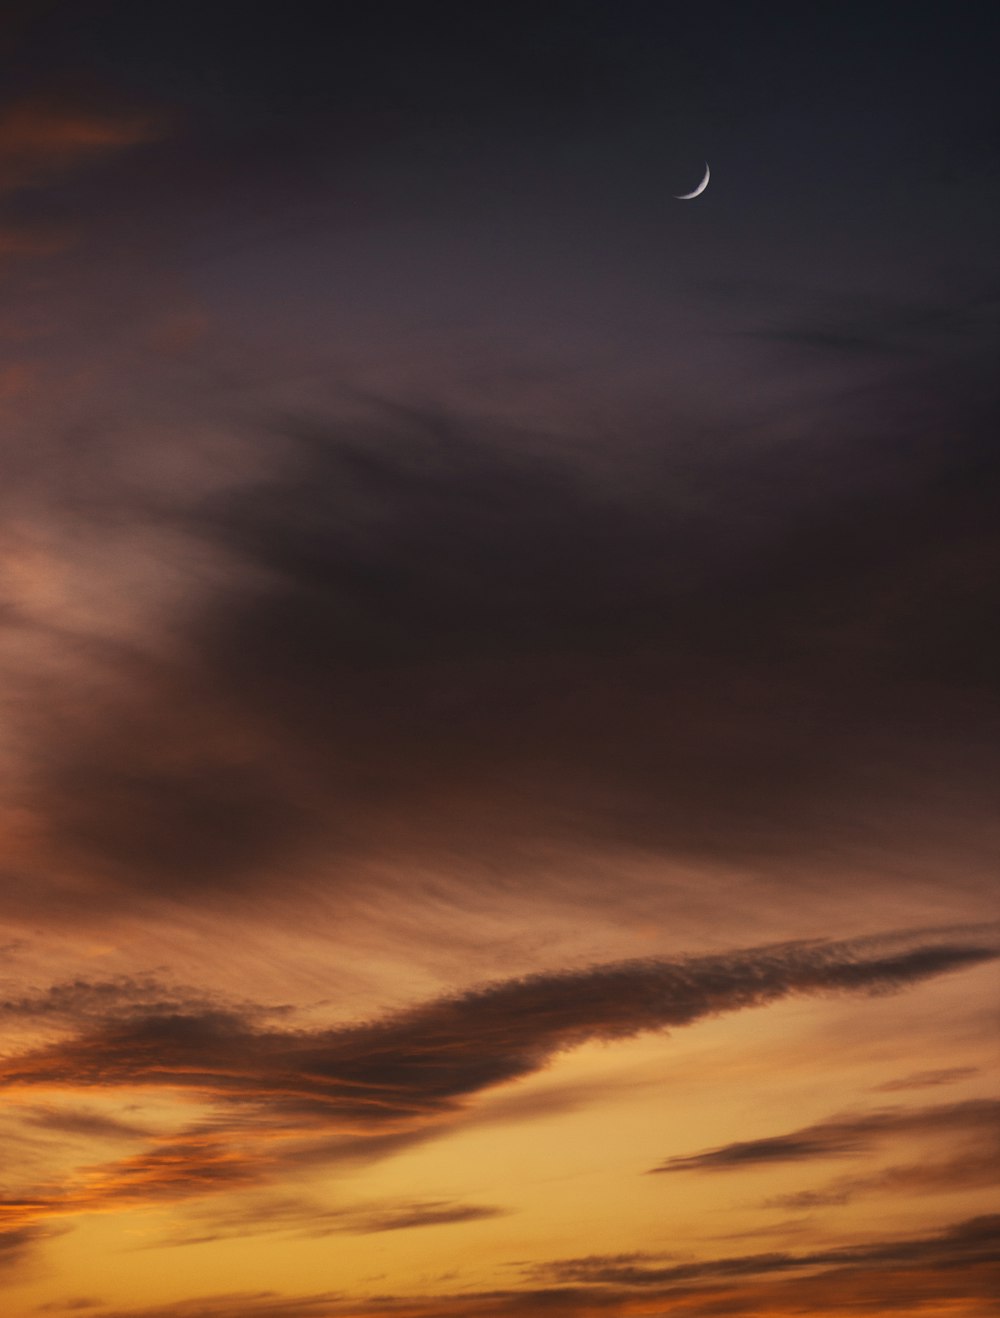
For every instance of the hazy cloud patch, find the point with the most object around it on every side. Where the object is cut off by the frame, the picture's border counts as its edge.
(667, 646)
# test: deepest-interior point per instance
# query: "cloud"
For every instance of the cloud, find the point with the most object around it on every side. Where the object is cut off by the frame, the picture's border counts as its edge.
(82, 1121)
(927, 1079)
(969, 1240)
(956, 1266)
(427, 637)
(15, 1241)
(254, 1304)
(871, 327)
(972, 1169)
(118, 997)
(842, 1136)
(71, 1305)
(283, 1097)
(419, 1064)
(172, 1169)
(41, 138)
(973, 1127)
(434, 1213)
(21, 1233)
(258, 1214)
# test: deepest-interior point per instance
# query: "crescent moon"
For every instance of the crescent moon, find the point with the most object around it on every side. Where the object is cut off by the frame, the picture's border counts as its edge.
(686, 196)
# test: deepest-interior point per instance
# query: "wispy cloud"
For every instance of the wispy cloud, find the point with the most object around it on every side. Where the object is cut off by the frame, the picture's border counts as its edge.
(927, 1079)
(682, 651)
(867, 326)
(420, 1065)
(974, 1239)
(73, 1305)
(843, 1136)
(80, 1120)
(956, 1266)
(23, 1234)
(73, 1002)
(301, 1217)
(284, 1097)
(42, 137)
(972, 1168)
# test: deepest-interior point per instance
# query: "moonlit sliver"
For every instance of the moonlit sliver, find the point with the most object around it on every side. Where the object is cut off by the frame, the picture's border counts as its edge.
(686, 196)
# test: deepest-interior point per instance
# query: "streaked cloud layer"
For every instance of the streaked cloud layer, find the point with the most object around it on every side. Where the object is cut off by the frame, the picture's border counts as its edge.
(957, 1268)
(280, 1096)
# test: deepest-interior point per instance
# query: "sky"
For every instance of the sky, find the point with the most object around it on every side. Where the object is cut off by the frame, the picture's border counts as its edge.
(500, 729)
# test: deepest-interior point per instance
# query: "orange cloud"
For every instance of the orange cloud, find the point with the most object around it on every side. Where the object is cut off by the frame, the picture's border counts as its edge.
(39, 139)
(287, 1098)
(950, 1273)
(841, 1136)
(404, 1072)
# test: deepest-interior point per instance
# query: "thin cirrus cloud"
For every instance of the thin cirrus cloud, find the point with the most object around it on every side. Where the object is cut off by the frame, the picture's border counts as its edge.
(975, 1238)
(78, 1002)
(420, 1064)
(14, 1241)
(680, 653)
(882, 1277)
(82, 1121)
(956, 1265)
(302, 1218)
(43, 140)
(283, 1097)
(844, 1136)
(927, 1079)
(43, 137)
(972, 1168)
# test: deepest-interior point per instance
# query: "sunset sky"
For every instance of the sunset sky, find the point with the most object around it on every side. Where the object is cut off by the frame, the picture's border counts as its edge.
(501, 746)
